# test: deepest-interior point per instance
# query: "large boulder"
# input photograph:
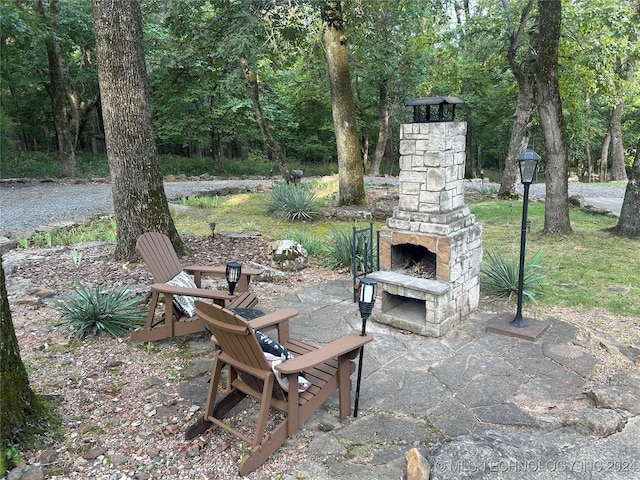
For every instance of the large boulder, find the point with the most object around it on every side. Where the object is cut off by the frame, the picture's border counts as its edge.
(289, 255)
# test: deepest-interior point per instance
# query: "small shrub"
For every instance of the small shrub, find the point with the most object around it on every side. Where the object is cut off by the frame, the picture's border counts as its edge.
(312, 243)
(340, 249)
(200, 202)
(293, 202)
(500, 275)
(76, 257)
(489, 190)
(89, 310)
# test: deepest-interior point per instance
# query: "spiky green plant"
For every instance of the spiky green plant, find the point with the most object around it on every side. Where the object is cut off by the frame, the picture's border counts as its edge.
(293, 202)
(89, 310)
(499, 275)
(312, 243)
(340, 249)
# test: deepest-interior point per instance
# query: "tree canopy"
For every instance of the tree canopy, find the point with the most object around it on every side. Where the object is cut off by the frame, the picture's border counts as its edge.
(201, 104)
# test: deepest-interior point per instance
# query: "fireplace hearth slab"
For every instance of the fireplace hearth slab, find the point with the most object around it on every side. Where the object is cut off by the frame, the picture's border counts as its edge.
(413, 287)
(502, 326)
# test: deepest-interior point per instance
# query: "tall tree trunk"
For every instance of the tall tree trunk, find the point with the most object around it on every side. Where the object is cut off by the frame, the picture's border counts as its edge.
(389, 151)
(524, 75)
(618, 172)
(629, 222)
(139, 199)
(624, 70)
(350, 170)
(18, 403)
(604, 157)
(384, 121)
(556, 207)
(69, 111)
(272, 143)
(587, 146)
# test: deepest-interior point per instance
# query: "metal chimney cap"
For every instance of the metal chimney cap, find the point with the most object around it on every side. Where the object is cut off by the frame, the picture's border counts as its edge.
(414, 102)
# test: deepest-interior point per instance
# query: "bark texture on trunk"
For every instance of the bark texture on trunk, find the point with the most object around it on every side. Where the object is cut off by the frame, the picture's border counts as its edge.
(618, 172)
(69, 111)
(520, 131)
(629, 222)
(18, 403)
(272, 143)
(384, 121)
(139, 199)
(350, 169)
(556, 211)
(604, 157)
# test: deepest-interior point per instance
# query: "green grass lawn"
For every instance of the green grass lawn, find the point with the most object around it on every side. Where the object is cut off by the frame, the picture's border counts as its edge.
(590, 268)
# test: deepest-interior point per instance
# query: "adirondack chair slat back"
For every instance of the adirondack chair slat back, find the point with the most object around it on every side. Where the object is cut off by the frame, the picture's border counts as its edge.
(235, 337)
(233, 334)
(158, 254)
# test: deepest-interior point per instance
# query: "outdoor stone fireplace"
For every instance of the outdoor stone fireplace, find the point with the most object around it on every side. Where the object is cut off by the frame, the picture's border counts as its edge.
(431, 248)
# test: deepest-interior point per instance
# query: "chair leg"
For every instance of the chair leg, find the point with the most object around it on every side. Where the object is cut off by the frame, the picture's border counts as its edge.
(265, 402)
(344, 387)
(261, 452)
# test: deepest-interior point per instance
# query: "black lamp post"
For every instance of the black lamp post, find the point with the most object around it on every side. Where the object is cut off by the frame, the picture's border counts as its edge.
(527, 161)
(232, 273)
(365, 304)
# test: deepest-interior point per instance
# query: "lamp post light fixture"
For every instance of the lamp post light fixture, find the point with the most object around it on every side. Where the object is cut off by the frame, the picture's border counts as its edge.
(212, 226)
(528, 162)
(232, 273)
(365, 304)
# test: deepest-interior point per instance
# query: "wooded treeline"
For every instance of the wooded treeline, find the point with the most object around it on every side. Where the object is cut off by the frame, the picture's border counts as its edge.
(200, 55)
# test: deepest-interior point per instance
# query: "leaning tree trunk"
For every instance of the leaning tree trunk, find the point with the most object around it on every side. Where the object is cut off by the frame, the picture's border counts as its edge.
(524, 75)
(139, 199)
(556, 207)
(384, 120)
(618, 172)
(18, 403)
(69, 111)
(519, 139)
(629, 222)
(350, 168)
(272, 143)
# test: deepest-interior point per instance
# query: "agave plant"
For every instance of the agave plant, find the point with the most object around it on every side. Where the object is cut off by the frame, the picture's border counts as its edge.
(90, 310)
(500, 275)
(293, 202)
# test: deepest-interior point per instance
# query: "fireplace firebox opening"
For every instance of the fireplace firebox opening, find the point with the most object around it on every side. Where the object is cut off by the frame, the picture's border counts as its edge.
(414, 260)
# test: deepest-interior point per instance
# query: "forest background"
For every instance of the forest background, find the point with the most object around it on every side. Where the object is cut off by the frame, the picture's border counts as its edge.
(202, 107)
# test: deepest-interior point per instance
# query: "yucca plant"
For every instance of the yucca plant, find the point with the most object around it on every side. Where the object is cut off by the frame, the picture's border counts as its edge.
(88, 310)
(340, 249)
(499, 275)
(293, 202)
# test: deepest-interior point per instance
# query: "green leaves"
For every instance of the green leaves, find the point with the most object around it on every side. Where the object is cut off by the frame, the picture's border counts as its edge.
(90, 310)
(293, 202)
(499, 275)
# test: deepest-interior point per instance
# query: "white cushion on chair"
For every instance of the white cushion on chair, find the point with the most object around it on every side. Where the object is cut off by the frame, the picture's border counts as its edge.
(185, 303)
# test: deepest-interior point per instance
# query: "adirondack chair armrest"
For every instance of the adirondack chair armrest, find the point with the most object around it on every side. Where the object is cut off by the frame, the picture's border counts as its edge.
(344, 345)
(218, 270)
(193, 292)
(273, 319)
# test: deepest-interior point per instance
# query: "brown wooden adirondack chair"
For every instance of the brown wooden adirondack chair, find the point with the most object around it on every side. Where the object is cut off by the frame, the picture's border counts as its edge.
(327, 368)
(158, 254)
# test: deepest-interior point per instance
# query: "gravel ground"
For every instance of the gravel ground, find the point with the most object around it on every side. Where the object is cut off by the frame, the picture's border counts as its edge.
(123, 406)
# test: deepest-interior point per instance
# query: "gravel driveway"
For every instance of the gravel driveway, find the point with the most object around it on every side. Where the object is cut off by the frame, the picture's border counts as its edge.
(27, 206)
